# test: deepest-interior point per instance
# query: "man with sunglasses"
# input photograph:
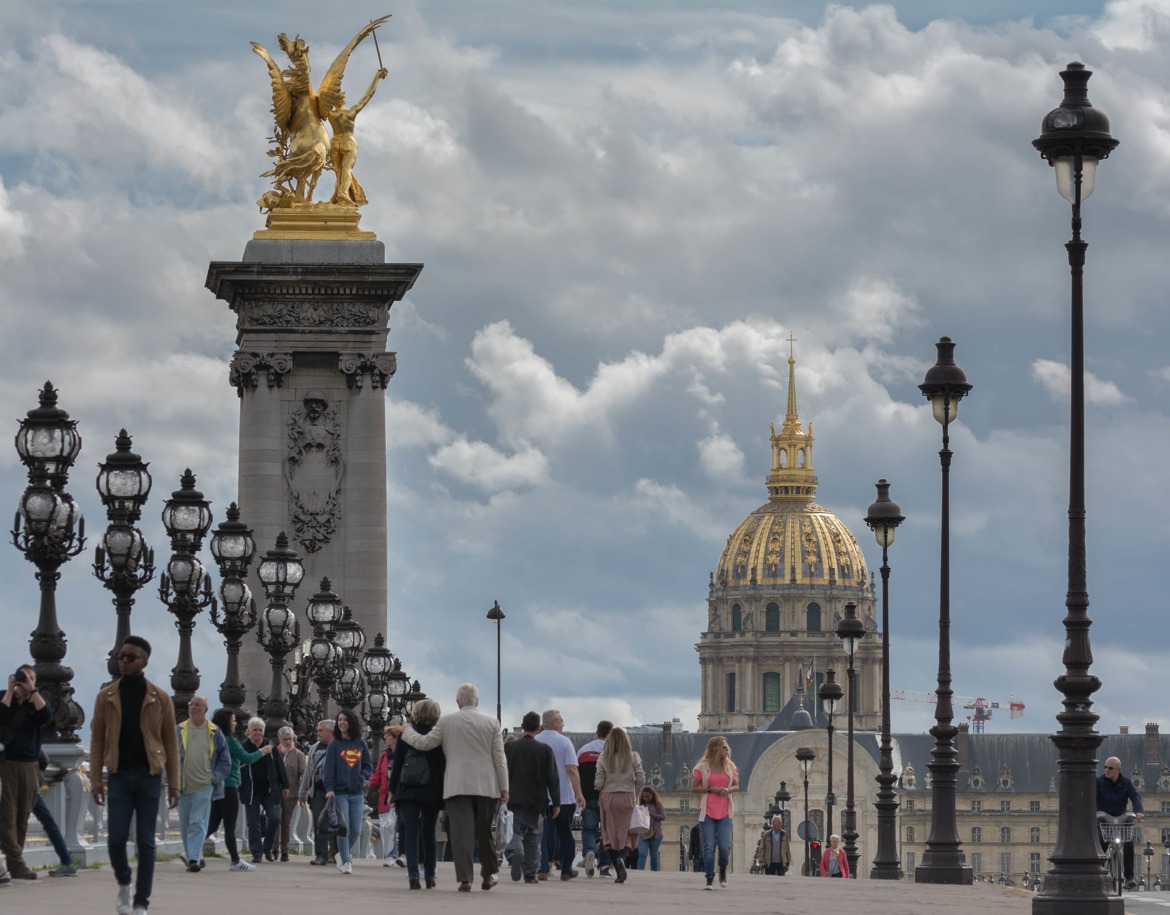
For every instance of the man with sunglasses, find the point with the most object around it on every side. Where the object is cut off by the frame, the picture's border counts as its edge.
(1114, 793)
(134, 736)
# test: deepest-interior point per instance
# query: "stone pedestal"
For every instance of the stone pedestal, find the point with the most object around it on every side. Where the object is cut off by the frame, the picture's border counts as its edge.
(311, 369)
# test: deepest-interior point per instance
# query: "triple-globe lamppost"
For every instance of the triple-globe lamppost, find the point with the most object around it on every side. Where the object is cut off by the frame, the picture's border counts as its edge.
(233, 548)
(49, 531)
(943, 861)
(185, 587)
(883, 519)
(280, 572)
(850, 631)
(122, 561)
(1074, 138)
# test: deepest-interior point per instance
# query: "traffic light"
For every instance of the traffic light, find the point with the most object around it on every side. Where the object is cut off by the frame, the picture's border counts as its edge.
(815, 848)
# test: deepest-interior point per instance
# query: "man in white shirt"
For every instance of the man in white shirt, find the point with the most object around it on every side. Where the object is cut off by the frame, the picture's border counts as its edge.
(558, 831)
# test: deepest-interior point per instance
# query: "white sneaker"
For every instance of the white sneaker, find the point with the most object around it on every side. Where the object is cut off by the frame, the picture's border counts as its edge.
(345, 867)
(241, 865)
(122, 903)
(138, 910)
(723, 884)
(590, 863)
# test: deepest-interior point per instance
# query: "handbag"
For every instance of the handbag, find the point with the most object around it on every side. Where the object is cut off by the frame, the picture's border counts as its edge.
(416, 771)
(331, 822)
(640, 819)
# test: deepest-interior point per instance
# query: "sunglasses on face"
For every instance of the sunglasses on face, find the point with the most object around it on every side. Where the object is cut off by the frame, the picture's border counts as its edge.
(126, 656)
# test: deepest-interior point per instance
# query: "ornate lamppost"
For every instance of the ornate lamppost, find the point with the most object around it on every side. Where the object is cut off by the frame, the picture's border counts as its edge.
(883, 519)
(185, 587)
(850, 631)
(831, 696)
(413, 696)
(280, 572)
(943, 860)
(123, 562)
(497, 615)
(233, 548)
(49, 531)
(1074, 138)
(325, 612)
(304, 711)
(350, 638)
(805, 755)
(781, 799)
(377, 665)
(398, 688)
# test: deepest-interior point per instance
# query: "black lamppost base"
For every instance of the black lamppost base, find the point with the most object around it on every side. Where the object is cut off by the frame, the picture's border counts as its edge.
(946, 874)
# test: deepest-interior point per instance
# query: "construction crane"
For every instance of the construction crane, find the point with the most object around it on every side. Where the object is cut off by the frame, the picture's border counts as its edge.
(980, 707)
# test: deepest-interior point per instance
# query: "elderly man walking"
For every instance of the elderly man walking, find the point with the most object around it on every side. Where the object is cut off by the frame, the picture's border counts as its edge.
(312, 792)
(558, 829)
(474, 785)
(204, 765)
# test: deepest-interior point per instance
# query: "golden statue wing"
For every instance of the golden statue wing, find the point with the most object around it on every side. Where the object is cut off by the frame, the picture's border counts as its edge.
(329, 92)
(281, 102)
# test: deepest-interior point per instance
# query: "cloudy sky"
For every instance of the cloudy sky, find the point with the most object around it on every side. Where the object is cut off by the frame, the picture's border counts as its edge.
(625, 209)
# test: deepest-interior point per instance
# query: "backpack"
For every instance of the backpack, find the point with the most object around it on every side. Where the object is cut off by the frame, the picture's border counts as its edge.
(416, 771)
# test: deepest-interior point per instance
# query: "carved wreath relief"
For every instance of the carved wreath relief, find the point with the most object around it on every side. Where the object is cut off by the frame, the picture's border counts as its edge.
(314, 469)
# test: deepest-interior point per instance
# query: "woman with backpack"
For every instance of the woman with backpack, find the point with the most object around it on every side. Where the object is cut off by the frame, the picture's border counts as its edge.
(416, 790)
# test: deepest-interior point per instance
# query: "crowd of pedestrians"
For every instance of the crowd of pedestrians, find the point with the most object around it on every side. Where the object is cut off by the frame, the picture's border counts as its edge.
(502, 798)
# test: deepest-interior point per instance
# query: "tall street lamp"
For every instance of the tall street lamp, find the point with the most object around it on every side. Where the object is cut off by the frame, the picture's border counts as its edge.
(233, 548)
(123, 562)
(324, 612)
(883, 519)
(377, 665)
(497, 615)
(831, 696)
(781, 799)
(943, 861)
(805, 756)
(185, 587)
(49, 531)
(850, 631)
(280, 572)
(1073, 138)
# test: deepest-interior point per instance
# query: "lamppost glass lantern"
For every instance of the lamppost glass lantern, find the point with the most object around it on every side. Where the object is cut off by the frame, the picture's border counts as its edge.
(232, 544)
(378, 662)
(281, 570)
(413, 696)
(123, 482)
(324, 609)
(48, 441)
(349, 635)
(186, 515)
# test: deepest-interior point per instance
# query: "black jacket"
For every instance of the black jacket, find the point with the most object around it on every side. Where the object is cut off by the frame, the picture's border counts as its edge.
(20, 729)
(277, 774)
(532, 774)
(425, 795)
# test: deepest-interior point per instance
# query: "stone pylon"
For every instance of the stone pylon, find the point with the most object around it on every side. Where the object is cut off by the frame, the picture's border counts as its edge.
(311, 370)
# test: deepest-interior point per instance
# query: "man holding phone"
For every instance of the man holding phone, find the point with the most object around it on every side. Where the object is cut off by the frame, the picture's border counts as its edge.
(23, 712)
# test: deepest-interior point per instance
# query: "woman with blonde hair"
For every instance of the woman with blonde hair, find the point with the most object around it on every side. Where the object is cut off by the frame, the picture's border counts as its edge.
(716, 779)
(419, 797)
(619, 781)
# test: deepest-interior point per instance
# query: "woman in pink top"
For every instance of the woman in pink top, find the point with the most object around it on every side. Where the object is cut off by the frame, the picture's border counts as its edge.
(716, 779)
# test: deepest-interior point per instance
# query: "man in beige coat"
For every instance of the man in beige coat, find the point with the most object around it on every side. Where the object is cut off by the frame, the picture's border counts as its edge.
(474, 785)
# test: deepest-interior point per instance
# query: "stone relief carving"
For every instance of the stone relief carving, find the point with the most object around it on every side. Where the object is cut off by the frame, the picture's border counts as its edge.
(683, 781)
(245, 369)
(280, 313)
(379, 366)
(314, 469)
(656, 779)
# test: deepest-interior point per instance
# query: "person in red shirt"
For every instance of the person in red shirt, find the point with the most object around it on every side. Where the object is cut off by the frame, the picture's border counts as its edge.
(833, 861)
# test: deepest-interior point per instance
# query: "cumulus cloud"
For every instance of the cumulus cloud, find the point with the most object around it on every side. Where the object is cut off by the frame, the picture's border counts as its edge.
(1057, 380)
(481, 465)
(720, 458)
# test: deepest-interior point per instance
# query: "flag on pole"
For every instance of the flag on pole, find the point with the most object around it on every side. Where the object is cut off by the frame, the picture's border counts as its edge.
(808, 677)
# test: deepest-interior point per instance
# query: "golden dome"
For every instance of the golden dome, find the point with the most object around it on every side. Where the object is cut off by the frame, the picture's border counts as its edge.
(791, 540)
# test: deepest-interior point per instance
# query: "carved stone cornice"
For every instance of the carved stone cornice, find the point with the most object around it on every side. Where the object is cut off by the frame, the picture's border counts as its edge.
(379, 366)
(245, 369)
(284, 313)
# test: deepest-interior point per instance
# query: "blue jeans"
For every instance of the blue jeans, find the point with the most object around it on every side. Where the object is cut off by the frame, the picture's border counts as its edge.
(591, 832)
(714, 831)
(41, 812)
(262, 840)
(648, 848)
(133, 794)
(558, 840)
(194, 815)
(352, 808)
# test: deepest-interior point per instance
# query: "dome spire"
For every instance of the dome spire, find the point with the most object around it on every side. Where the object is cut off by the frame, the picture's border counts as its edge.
(791, 478)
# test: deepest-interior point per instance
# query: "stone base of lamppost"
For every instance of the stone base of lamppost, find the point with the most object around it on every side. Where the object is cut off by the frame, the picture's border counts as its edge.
(948, 868)
(1076, 894)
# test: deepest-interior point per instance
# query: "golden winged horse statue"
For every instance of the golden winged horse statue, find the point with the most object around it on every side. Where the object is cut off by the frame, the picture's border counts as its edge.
(301, 145)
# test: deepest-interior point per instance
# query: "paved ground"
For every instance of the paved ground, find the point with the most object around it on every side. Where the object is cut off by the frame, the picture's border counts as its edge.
(372, 888)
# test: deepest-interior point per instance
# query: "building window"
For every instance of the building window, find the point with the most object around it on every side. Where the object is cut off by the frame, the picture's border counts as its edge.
(1005, 835)
(1165, 838)
(977, 863)
(684, 805)
(909, 833)
(772, 618)
(814, 617)
(909, 864)
(1166, 806)
(771, 692)
(1005, 862)
(731, 692)
(909, 805)
(736, 618)
(976, 835)
(1005, 806)
(1034, 862)
(1033, 806)
(977, 806)
(1034, 835)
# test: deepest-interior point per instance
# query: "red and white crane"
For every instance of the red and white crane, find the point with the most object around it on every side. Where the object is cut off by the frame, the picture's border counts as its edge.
(981, 708)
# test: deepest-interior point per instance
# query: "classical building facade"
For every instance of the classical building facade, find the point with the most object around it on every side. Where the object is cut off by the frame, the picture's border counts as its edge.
(775, 599)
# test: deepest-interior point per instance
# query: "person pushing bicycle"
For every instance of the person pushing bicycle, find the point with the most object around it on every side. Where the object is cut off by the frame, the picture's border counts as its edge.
(1114, 794)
